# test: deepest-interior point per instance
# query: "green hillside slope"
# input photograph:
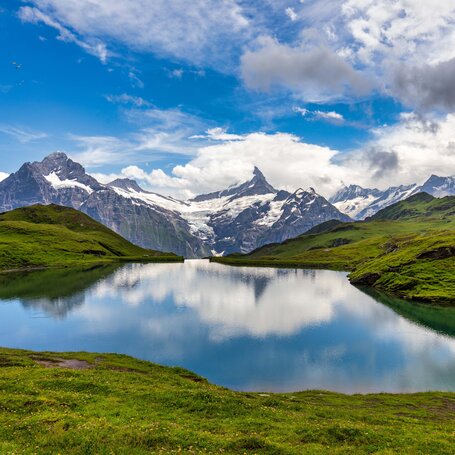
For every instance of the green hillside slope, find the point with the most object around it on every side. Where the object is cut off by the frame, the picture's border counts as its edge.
(48, 236)
(407, 249)
(108, 403)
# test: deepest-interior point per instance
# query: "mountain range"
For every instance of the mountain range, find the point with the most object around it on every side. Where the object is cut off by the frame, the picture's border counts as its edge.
(239, 219)
(360, 203)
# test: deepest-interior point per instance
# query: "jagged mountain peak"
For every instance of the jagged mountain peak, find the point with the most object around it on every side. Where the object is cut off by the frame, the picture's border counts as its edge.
(257, 173)
(300, 193)
(256, 186)
(56, 156)
(347, 192)
(65, 168)
(439, 186)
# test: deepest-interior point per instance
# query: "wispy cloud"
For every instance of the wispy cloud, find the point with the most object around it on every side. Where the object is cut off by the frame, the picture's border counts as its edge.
(330, 116)
(195, 33)
(339, 48)
(126, 99)
(20, 134)
(159, 132)
(92, 46)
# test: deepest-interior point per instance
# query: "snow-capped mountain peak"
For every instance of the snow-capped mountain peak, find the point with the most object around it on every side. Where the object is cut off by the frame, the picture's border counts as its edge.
(360, 203)
(256, 186)
(240, 218)
(439, 186)
(127, 185)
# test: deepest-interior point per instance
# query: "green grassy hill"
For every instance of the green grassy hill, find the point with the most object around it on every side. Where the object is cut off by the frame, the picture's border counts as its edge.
(407, 249)
(108, 403)
(51, 236)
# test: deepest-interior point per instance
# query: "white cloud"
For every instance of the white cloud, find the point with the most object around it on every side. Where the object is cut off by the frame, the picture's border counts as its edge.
(330, 116)
(176, 73)
(401, 29)
(160, 132)
(92, 46)
(20, 134)
(401, 154)
(344, 47)
(135, 80)
(407, 152)
(3, 176)
(195, 32)
(290, 12)
(124, 98)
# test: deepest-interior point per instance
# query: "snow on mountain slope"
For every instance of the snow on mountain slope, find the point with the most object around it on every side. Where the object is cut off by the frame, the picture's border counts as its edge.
(58, 183)
(240, 218)
(360, 203)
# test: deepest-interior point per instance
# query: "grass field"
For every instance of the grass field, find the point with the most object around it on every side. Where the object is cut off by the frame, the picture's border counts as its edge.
(107, 403)
(54, 236)
(408, 250)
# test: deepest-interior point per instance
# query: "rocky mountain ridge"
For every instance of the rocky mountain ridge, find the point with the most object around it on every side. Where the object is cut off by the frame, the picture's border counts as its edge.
(238, 219)
(360, 203)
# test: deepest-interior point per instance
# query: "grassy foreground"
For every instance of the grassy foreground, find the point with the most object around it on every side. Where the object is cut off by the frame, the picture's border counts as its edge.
(407, 249)
(107, 403)
(55, 236)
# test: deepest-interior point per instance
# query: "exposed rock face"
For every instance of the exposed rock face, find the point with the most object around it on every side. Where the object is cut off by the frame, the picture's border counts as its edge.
(360, 203)
(59, 180)
(240, 218)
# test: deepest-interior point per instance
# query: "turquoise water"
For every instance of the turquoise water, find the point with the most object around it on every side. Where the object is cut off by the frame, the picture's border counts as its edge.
(245, 328)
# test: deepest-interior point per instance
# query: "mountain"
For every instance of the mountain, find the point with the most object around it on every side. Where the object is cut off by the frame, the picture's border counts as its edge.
(53, 235)
(406, 249)
(360, 203)
(439, 186)
(59, 180)
(238, 219)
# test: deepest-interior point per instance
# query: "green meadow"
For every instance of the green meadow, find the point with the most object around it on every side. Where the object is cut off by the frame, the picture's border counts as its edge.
(407, 250)
(107, 403)
(55, 236)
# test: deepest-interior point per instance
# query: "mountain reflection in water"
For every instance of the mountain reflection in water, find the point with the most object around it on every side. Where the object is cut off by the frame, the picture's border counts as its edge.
(246, 328)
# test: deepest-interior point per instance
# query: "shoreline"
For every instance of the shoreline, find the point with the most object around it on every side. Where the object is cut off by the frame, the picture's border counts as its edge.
(101, 403)
(435, 301)
(177, 259)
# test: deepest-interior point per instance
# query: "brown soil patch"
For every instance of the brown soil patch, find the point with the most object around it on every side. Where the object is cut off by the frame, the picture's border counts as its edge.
(72, 364)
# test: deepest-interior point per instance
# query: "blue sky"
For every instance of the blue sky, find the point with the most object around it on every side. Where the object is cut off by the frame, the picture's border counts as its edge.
(188, 98)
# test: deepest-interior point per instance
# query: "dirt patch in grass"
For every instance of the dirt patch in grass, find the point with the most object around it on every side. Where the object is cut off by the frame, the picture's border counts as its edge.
(71, 364)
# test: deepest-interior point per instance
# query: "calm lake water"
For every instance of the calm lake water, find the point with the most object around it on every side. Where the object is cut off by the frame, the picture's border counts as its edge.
(244, 328)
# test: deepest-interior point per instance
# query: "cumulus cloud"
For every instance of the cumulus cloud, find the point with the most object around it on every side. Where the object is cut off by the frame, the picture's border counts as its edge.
(405, 153)
(401, 154)
(409, 32)
(3, 176)
(344, 47)
(427, 86)
(403, 29)
(314, 74)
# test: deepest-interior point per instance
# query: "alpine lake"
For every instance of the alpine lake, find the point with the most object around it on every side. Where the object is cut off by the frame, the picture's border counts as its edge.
(245, 328)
